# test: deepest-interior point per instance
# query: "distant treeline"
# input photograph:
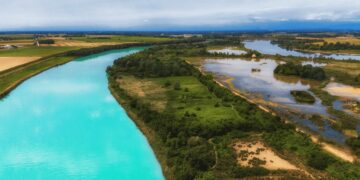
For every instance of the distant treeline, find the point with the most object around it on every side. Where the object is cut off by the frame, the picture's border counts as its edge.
(306, 71)
(314, 44)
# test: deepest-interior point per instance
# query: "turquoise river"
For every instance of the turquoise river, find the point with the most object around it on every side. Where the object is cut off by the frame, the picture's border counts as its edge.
(65, 124)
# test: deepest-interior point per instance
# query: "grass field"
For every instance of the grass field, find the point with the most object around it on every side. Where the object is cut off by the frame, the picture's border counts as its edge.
(120, 38)
(352, 68)
(334, 40)
(35, 51)
(192, 97)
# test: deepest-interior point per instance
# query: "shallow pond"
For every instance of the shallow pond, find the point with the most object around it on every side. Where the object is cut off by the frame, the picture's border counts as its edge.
(65, 124)
(266, 47)
(272, 88)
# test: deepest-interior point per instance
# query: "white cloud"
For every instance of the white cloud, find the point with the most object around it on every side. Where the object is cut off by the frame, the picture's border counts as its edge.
(140, 13)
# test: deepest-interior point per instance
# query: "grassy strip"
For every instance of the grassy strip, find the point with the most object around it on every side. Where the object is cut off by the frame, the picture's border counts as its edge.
(122, 39)
(35, 51)
(152, 137)
(11, 80)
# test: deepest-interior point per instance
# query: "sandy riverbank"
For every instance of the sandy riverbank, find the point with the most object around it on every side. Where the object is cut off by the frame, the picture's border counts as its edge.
(342, 153)
(337, 89)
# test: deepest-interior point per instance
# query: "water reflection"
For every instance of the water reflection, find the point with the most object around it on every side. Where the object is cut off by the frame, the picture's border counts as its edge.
(228, 51)
(265, 47)
(272, 88)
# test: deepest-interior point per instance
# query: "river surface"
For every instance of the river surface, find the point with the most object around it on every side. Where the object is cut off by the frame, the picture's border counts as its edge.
(276, 89)
(65, 124)
(265, 47)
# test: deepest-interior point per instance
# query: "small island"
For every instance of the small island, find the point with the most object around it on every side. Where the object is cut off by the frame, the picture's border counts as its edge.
(303, 96)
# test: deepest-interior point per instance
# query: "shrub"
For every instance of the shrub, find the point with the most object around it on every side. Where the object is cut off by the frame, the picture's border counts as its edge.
(47, 41)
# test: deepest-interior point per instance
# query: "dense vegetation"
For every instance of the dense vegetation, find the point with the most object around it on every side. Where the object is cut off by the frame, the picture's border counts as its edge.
(354, 143)
(303, 96)
(306, 71)
(47, 41)
(314, 44)
(188, 132)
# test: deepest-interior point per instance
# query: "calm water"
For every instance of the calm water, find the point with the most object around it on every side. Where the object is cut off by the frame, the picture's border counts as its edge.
(273, 88)
(265, 47)
(64, 124)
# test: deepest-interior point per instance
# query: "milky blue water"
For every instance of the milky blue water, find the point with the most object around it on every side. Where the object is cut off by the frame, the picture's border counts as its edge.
(64, 124)
(265, 47)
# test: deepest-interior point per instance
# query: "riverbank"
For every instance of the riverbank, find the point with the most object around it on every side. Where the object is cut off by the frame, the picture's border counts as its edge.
(68, 115)
(267, 106)
(341, 152)
(11, 78)
(199, 109)
(151, 136)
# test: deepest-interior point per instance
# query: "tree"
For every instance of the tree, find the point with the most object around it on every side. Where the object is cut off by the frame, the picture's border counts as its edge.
(177, 86)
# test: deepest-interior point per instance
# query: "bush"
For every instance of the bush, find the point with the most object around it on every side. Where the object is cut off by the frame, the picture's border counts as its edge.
(241, 172)
(354, 143)
(307, 71)
(319, 160)
(177, 86)
(47, 41)
(303, 96)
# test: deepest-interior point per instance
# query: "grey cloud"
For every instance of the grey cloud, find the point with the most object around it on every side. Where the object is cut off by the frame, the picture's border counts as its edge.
(137, 13)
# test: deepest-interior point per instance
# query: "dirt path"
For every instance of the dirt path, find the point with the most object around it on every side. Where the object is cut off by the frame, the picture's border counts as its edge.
(216, 153)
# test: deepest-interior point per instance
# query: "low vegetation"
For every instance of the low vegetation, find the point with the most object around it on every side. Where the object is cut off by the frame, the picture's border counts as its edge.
(354, 143)
(202, 119)
(303, 96)
(317, 44)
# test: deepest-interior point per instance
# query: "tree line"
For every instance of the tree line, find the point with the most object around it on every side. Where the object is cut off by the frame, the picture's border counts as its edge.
(305, 71)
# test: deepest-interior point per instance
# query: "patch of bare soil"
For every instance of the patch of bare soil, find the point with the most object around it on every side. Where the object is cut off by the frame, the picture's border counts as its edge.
(257, 154)
(146, 90)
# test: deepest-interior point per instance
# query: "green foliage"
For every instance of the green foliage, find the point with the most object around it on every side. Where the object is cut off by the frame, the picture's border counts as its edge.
(354, 143)
(241, 172)
(47, 41)
(319, 160)
(177, 86)
(307, 71)
(303, 96)
(313, 44)
(35, 51)
(201, 122)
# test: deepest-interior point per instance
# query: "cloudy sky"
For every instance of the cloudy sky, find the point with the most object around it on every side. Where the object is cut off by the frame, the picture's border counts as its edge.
(157, 14)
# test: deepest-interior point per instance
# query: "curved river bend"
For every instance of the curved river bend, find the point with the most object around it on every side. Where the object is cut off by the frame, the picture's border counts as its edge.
(65, 124)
